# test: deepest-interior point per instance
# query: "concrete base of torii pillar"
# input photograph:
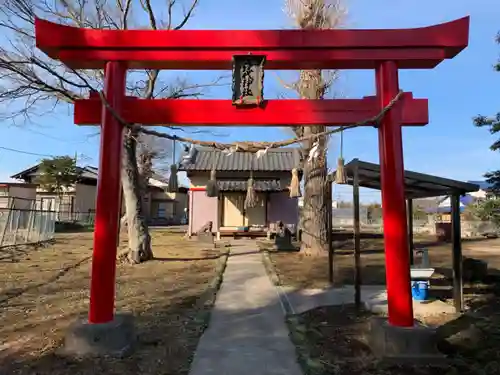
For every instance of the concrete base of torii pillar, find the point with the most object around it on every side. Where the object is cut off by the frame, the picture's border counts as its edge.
(417, 344)
(115, 339)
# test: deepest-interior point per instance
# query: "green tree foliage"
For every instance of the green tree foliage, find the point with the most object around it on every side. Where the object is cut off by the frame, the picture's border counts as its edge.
(57, 174)
(486, 210)
(344, 204)
(419, 213)
(493, 124)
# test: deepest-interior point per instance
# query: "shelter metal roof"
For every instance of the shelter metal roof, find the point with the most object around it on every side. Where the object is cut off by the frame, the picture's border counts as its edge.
(417, 185)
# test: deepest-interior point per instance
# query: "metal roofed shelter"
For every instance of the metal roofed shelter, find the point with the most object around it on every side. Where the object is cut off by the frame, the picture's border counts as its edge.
(417, 185)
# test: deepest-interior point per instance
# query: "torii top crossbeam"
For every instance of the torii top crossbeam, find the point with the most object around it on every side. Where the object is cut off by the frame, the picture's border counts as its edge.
(416, 48)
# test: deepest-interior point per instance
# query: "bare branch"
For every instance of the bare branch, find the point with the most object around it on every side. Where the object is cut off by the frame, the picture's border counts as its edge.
(187, 16)
(149, 10)
(31, 77)
(314, 14)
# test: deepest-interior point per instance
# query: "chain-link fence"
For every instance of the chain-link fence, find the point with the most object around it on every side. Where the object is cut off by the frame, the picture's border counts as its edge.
(343, 219)
(82, 218)
(21, 222)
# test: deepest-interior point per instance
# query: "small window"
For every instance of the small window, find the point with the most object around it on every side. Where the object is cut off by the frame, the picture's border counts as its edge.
(162, 210)
(4, 191)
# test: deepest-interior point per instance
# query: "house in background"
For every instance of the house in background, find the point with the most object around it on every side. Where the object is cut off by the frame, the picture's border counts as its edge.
(483, 191)
(445, 204)
(272, 176)
(78, 202)
(443, 208)
(18, 196)
(165, 208)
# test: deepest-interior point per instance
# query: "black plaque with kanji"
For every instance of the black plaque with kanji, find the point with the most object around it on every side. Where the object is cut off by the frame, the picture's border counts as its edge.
(248, 79)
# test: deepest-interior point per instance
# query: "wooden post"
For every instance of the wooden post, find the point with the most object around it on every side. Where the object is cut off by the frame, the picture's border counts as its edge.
(190, 213)
(357, 240)
(409, 211)
(30, 220)
(18, 218)
(329, 228)
(7, 220)
(457, 253)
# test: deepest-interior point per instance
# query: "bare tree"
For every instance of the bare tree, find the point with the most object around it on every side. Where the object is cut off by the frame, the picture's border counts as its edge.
(33, 84)
(153, 155)
(313, 84)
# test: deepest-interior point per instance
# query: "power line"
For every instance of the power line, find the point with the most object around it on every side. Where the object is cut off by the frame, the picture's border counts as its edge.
(25, 152)
(30, 130)
(81, 156)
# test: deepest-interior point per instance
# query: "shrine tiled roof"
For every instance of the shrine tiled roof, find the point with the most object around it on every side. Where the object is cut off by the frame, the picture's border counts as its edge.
(275, 160)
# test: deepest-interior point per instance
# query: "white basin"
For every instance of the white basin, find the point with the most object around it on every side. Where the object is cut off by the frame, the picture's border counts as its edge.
(421, 273)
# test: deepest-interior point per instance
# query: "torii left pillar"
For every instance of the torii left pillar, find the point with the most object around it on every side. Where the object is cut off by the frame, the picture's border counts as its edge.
(106, 333)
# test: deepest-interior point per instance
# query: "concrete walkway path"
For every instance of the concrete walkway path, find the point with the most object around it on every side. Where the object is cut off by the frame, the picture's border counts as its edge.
(374, 298)
(247, 333)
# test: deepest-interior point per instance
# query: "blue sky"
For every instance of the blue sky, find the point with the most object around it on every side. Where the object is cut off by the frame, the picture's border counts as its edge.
(457, 90)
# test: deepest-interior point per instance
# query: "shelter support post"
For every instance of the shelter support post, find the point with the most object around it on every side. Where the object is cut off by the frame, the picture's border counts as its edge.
(357, 240)
(411, 245)
(102, 286)
(329, 235)
(393, 200)
(457, 253)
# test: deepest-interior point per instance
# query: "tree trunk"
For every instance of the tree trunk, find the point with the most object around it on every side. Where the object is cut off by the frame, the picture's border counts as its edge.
(145, 171)
(139, 239)
(314, 213)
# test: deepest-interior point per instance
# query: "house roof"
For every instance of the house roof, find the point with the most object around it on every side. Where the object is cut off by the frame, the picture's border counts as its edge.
(259, 185)
(84, 172)
(417, 185)
(445, 204)
(88, 172)
(21, 184)
(159, 177)
(483, 185)
(275, 160)
(427, 203)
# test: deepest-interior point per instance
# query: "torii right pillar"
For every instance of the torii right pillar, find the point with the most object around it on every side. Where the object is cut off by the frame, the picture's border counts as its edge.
(397, 260)
(399, 337)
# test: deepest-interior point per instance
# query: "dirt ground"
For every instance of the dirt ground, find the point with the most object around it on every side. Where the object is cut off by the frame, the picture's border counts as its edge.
(44, 290)
(332, 340)
(301, 271)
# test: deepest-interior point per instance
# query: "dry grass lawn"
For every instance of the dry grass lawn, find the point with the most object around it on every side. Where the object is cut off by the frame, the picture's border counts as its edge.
(44, 290)
(331, 339)
(301, 271)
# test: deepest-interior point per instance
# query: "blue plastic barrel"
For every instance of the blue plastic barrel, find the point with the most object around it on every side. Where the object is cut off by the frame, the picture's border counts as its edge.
(420, 290)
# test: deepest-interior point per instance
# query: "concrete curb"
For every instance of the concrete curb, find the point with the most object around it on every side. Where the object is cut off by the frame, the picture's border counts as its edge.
(207, 299)
(270, 270)
(295, 329)
(273, 276)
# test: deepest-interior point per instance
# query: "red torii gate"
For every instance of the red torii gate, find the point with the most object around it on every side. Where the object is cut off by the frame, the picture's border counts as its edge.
(386, 51)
